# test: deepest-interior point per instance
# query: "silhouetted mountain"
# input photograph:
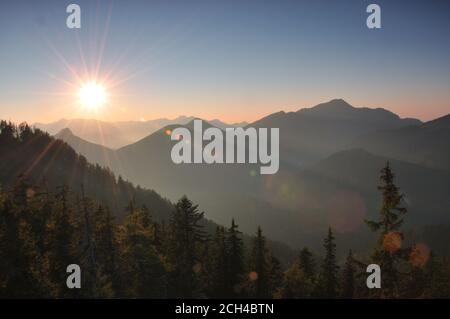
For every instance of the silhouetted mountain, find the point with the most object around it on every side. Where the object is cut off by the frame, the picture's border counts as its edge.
(222, 125)
(340, 109)
(136, 130)
(359, 169)
(94, 131)
(225, 191)
(118, 134)
(425, 144)
(52, 163)
(340, 190)
(42, 159)
(311, 134)
(297, 204)
(97, 154)
(150, 160)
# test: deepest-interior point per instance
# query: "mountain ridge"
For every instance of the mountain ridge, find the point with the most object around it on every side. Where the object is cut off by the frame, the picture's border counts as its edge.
(426, 144)
(115, 135)
(298, 196)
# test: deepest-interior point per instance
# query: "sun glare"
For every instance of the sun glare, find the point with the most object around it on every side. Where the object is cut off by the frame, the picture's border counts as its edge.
(92, 95)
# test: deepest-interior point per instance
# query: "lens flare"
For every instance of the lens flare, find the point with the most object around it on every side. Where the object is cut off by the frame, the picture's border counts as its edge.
(253, 276)
(419, 255)
(392, 242)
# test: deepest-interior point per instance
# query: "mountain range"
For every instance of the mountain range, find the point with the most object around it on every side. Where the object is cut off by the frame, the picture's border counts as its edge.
(330, 159)
(117, 134)
(46, 163)
(426, 144)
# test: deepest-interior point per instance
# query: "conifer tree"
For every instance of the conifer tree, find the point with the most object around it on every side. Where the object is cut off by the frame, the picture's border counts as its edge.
(275, 274)
(88, 251)
(60, 241)
(328, 277)
(13, 267)
(307, 263)
(235, 262)
(106, 253)
(388, 252)
(158, 237)
(259, 275)
(299, 279)
(143, 272)
(348, 277)
(29, 227)
(219, 265)
(187, 235)
(296, 283)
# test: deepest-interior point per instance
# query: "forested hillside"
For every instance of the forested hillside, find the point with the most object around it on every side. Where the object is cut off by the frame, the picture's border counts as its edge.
(47, 224)
(50, 163)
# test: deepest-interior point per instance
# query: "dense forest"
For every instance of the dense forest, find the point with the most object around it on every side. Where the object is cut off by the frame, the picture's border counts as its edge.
(126, 250)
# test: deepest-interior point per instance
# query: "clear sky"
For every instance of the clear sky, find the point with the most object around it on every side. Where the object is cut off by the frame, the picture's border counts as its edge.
(233, 60)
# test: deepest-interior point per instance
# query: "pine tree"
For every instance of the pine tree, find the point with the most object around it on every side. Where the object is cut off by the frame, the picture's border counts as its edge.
(158, 237)
(235, 262)
(187, 235)
(219, 265)
(60, 240)
(307, 263)
(348, 277)
(388, 252)
(106, 253)
(143, 271)
(328, 277)
(296, 283)
(259, 275)
(299, 279)
(25, 208)
(14, 275)
(275, 274)
(88, 251)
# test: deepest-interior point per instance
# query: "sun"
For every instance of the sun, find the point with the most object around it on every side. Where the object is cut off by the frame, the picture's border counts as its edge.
(92, 95)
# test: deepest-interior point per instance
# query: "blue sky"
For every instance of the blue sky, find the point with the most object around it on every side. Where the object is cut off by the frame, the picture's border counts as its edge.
(234, 60)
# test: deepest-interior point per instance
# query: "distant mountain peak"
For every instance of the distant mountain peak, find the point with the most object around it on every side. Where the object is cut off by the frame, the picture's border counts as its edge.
(205, 124)
(341, 109)
(337, 103)
(183, 118)
(222, 125)
(334, 105)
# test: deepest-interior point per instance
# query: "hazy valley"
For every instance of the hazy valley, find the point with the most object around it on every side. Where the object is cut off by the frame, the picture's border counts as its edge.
(330, 157)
